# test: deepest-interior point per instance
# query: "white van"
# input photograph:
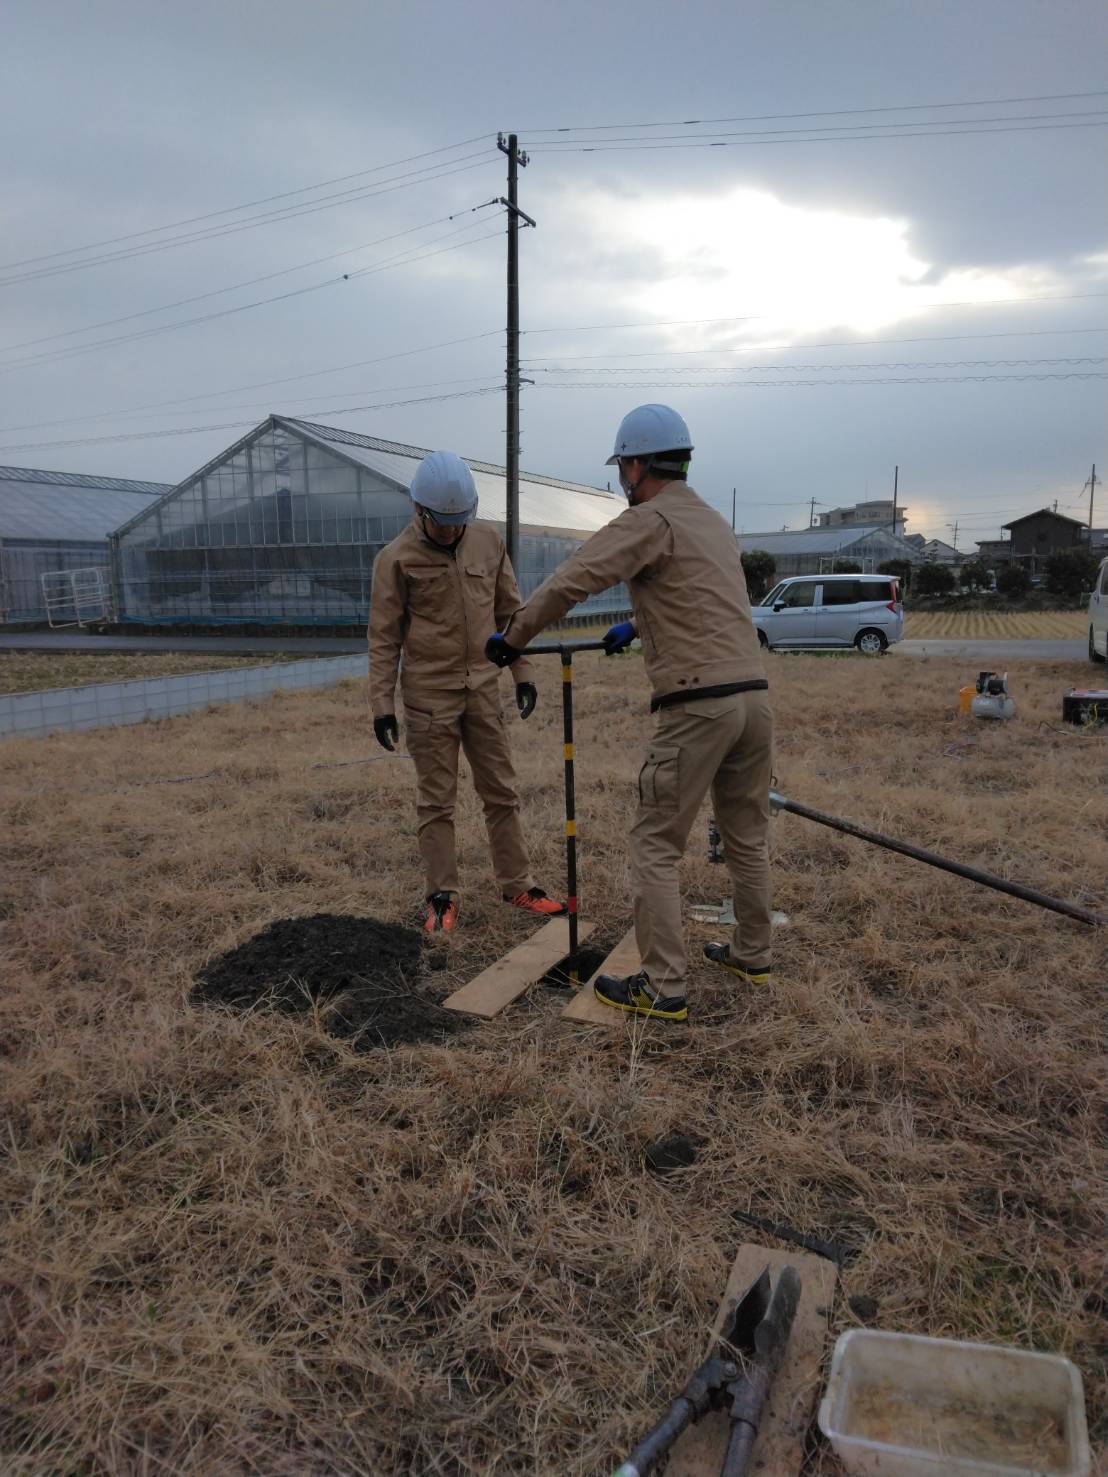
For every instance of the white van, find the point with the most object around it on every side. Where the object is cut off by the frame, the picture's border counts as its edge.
(832, 610)
(1098, 616)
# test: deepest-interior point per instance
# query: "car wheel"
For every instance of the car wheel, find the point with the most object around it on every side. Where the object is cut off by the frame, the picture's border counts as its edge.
(1094, 655)
(871, 642)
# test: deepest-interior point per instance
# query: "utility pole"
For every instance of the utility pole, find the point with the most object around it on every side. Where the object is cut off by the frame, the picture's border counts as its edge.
(812, 501)
(733, 510)
(516, 161)
(896, 490)
(1092, 493)
(954, 528)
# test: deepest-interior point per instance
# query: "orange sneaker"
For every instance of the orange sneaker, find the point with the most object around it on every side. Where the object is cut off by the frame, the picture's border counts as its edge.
(442, 913)
(534, 900)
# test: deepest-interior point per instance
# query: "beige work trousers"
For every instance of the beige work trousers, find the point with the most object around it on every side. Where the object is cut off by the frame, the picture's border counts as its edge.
(723, 744)
(436, 728)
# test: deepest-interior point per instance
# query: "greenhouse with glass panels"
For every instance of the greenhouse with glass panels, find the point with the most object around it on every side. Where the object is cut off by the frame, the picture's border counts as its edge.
(283, 527)
(54, 529)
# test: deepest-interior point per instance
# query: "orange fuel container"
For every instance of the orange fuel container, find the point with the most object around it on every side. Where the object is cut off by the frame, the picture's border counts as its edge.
(965, 699)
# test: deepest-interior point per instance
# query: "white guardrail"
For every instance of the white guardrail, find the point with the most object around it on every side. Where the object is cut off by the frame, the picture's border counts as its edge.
(109, 704)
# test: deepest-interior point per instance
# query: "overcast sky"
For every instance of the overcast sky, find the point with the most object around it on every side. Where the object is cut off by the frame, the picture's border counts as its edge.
(834, 256)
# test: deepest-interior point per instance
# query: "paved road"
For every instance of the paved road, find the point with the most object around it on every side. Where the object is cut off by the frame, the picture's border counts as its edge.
(985, 651)
(213, 645)
(1000, 651)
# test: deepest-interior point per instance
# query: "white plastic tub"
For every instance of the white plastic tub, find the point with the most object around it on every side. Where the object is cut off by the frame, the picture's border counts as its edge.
(900, 1405)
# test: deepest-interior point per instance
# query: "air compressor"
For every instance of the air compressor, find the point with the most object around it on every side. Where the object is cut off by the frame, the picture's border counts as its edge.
(991, 699)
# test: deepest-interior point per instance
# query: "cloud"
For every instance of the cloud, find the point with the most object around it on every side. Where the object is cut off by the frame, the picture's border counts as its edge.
(793, 270)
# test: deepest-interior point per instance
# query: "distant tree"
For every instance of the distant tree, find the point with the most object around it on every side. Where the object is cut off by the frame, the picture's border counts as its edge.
(975, 575)
(901, 569)
(846, 566)
(759, 568)
(1013, 579)
(932, 579)
(1070, 572)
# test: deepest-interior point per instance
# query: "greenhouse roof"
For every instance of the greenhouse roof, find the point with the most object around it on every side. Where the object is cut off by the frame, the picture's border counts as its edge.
(68, 507)
(544, 502)
(820, 540)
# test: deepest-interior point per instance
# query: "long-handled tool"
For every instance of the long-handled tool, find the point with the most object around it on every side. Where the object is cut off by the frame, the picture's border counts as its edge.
(567, 650)
(735, 1378)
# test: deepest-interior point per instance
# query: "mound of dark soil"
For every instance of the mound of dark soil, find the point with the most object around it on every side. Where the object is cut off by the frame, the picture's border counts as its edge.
(298, 961)
(385, 1014)
(362, 970)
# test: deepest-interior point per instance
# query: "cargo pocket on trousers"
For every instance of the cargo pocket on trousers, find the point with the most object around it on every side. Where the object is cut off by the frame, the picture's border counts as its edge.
(660, 778)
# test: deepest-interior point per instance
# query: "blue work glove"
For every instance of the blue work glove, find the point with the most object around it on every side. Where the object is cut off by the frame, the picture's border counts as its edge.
(527, 695)
(499, 652)
(386, 732)
(618, 637)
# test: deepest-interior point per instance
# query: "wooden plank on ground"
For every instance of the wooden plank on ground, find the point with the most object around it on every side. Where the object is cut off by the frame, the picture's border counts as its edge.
(508, 978)
(585, 1008)
(779, 1449)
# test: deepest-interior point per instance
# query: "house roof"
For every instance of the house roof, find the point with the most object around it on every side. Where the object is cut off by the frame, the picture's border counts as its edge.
(68, 507)
(1044, 512)
(822, 540)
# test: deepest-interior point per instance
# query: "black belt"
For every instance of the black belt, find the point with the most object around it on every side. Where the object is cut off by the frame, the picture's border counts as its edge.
(726, 689)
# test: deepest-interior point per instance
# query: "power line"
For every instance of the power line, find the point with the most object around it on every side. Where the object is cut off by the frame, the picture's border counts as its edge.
(236, 424)
(570, 145)
(947, 379)
(991, 102)
(256, 385)
(639, 148)
(943, 338)
(401, 259)
(233, 209)
(234, 286)
(987, 302)
(831, 368)
(345, 197)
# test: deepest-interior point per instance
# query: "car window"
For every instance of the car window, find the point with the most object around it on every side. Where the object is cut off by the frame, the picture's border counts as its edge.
(799, 595)
(1103, 587)
(876, 590)
(845, 592)
(774, 593)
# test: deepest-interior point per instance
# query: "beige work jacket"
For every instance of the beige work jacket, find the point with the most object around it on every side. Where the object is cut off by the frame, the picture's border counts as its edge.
(680, 561)
(437, 608)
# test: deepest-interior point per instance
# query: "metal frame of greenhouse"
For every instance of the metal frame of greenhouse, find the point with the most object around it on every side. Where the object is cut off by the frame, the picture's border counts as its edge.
(283, 527)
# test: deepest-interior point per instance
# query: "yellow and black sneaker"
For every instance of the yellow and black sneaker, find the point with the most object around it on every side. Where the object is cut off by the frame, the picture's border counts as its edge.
(749, 974)
(636, 994)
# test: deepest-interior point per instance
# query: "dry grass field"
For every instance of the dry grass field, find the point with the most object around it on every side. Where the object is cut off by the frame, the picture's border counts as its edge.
(238, 1245)
(1020, 625)
(34, 671)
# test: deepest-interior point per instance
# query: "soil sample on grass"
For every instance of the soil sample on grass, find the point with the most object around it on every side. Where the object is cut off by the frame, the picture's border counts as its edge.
(364, 971)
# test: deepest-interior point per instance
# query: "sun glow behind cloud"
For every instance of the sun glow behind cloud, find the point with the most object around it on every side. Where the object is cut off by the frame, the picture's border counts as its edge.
(797, 271)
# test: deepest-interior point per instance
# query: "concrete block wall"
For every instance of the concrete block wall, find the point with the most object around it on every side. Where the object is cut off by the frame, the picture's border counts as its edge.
(109, 704)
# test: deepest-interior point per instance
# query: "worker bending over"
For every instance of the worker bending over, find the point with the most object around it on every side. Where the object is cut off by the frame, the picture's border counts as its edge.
(714, 728)
(439, 590)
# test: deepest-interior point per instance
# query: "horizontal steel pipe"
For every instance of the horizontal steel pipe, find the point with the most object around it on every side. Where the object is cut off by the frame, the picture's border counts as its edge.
(933, 859)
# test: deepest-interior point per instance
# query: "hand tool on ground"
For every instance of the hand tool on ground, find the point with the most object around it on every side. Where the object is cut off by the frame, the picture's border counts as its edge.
(735, 1378)
(567, 650)
(778, 802)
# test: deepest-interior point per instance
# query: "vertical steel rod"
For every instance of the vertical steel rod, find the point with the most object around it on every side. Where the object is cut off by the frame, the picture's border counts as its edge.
(571, 813)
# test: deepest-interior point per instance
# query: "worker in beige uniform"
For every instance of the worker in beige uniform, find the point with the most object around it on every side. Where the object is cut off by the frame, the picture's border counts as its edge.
(680, 561)
(439, 589)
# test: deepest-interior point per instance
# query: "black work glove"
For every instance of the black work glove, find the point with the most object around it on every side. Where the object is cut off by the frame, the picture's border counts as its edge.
(499, 652)
(527, 695)
(386, 732)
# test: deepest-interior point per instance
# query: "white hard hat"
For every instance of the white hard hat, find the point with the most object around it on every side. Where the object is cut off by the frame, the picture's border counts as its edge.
(650, 428)
(444, 485)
